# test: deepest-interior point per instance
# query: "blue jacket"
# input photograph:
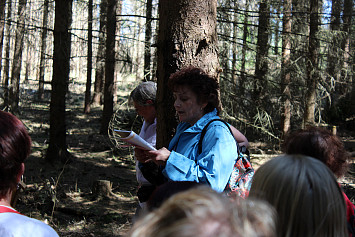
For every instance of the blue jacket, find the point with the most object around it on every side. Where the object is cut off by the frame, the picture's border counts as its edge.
(215, 163)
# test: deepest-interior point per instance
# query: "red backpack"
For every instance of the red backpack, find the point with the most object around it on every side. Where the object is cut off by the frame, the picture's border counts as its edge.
(239, 182)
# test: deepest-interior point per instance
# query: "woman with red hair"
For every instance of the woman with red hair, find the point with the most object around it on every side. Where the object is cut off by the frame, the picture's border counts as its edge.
(15, 147)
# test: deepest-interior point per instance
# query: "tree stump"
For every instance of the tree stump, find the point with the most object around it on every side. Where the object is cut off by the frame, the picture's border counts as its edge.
(102, 189)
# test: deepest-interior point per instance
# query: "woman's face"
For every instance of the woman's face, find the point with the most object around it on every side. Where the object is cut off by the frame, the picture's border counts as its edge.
(186, 105)
(146, 111)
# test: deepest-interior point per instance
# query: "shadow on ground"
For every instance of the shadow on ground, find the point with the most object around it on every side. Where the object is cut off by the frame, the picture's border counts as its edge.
(61, 194)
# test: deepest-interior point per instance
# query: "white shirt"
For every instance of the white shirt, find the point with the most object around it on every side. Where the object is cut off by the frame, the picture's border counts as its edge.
(149, 134)
(17, 225)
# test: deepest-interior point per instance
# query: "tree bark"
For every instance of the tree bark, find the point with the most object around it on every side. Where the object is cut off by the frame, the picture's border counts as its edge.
(187, 36)
(27, 43)
(117, 49)
(57, 149)
(17, 61)
(97, 98)
(2, 27)
(345, 45)
(243, 77)
(224, 49)
(109, 66)
(42, 63)
(102, 189)
(312, 66)
(334, 27)
(277, 34)
(6, 79)
(261, 62)
(285, 69)
(299, 44)
(89, 60)
(234, 44)
(147, 42)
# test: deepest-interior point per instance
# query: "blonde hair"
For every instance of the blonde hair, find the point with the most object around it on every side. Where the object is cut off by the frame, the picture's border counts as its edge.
(305, 194)
(204, 212)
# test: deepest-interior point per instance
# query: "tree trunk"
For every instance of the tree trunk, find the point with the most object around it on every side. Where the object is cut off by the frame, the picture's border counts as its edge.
(2, 27)
(299, 45)
(224, 49)
(89, 61)
(243, 77)
(334, 64)
(117, 49)
(100, 58)
(27, 43)
(285, 69)
(16, 65)
(109, 66)
(234, 44)
(312, 66)
(147, 42)
(6, 79)
(187, 36)
(345, 45)
(57, 149)
(261, 62)
(43, 51)
(102, 189)
(277, 34)
(334, 27)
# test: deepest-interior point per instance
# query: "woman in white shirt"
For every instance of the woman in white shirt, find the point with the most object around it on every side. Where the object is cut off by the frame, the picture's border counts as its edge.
(143, 98)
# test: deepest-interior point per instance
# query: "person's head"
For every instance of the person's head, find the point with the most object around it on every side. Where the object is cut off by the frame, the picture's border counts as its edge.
(256, 218)
(15, 147)
(198, 212)
(305, 194)
(195, 93)
(168, 189)
(144, 99)
(321, 144)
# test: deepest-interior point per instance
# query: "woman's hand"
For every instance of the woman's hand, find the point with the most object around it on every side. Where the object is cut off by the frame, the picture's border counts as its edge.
(141, 155)
(159, 156)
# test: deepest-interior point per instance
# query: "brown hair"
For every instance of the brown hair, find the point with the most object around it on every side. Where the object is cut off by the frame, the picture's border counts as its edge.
(204, 86)
(321, 144)
(15, 147)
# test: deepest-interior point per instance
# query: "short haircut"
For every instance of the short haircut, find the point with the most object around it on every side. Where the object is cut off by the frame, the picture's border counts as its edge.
(321, 144)
(204, 86)
(305, 194)
(15, 147)
(143, 92)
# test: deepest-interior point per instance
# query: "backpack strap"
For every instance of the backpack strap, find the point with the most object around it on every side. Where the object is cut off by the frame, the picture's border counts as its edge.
(204, 130)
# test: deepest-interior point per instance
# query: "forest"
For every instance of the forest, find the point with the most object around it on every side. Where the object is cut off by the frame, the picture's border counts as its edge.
(68, 66)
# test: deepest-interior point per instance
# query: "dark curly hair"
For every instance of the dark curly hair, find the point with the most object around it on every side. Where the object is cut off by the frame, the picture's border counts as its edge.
(204, 86)
(15, 147)
(321, 144)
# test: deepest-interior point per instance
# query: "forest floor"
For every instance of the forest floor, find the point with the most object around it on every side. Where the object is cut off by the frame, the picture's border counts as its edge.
(62, 194)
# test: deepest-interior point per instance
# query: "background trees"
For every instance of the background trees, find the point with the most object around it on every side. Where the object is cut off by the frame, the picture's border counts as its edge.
(57, 149)
(283, 64)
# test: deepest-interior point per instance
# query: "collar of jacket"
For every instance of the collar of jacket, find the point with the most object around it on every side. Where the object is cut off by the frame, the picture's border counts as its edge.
(201, 123)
